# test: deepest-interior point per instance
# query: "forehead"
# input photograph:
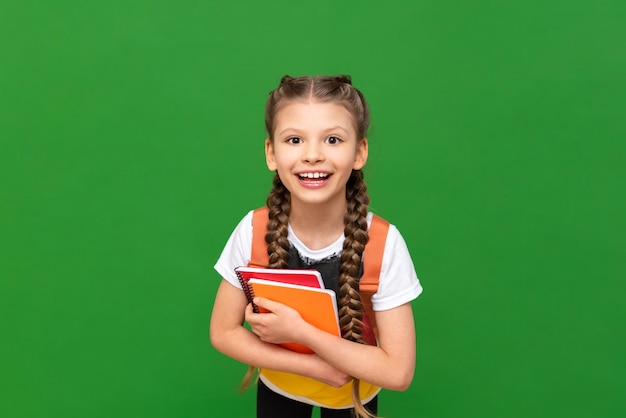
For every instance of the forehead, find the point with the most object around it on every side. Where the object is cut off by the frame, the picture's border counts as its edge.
(312, 116)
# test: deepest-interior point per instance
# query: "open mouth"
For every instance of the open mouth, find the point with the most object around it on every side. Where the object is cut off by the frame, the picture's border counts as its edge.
(313, 176)
(313, 180)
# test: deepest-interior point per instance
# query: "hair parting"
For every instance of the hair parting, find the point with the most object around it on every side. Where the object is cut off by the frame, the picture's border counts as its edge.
(336, 89)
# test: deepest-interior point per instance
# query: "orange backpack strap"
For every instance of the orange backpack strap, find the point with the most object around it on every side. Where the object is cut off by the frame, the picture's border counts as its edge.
(372, 265)
(373, 255)
(259, 256)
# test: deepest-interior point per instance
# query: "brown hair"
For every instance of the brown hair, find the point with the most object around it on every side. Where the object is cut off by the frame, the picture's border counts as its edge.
(338, 90)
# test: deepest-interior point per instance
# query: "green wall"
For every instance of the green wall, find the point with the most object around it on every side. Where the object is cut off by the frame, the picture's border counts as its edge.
(132, 143)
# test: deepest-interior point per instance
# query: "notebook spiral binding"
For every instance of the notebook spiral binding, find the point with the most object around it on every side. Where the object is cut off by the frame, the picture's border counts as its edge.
(248, 291)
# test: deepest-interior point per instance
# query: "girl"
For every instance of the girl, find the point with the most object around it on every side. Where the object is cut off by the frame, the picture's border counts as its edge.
(318, 218)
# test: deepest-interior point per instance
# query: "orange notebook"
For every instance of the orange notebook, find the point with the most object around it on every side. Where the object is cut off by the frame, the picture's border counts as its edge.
(318, 307)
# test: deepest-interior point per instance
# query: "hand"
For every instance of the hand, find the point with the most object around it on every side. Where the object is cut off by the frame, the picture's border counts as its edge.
(281, 324)
(328, 374)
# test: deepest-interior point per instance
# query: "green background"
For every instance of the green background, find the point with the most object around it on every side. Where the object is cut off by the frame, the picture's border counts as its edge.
(132, 143)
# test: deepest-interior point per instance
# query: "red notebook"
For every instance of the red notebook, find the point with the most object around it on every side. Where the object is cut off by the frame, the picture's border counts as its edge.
(318, 307)
(309, 278)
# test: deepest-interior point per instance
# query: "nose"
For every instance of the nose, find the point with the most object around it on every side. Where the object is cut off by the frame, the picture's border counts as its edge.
(313, 152)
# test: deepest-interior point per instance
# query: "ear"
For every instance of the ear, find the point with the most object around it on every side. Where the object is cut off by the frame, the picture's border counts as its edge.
(270, 158)
(361, 155)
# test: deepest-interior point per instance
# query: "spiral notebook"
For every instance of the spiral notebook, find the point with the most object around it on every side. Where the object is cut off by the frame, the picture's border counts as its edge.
(317, 306)
(309, 278)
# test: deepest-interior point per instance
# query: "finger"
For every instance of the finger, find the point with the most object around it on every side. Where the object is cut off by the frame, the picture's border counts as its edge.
(267, 304)
(249, 312)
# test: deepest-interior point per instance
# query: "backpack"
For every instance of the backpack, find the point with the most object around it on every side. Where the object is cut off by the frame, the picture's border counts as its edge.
(372, 263)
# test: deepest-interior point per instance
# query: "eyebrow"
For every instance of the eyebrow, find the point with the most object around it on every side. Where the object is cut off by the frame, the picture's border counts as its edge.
(334, 128)
(327, 130)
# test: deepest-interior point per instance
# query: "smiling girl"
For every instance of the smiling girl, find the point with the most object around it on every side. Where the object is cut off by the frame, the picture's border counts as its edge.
(318, 219)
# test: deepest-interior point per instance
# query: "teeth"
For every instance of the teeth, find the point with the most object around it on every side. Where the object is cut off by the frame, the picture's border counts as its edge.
(316, 175)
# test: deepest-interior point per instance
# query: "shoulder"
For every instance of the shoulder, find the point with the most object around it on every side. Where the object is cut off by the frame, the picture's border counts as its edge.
(395, 247)
(381, 228)
(237, 250)
(394, 244)
(398, 280)
(245, 224)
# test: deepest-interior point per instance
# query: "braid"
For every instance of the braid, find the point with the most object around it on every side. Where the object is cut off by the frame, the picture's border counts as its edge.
(351, 311)
(279, 204)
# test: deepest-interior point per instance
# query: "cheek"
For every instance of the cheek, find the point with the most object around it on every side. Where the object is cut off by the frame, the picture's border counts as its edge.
(283, 164)
(349, 161)
(286, 156)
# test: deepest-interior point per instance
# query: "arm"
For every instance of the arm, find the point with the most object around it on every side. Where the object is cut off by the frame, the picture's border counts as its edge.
(390, 365)
(229, 336)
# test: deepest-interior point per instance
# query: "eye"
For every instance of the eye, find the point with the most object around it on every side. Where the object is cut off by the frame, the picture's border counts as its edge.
(294, 140)
(333, 140)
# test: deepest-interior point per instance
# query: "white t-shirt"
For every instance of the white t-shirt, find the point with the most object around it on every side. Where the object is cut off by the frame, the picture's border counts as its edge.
(398, 282)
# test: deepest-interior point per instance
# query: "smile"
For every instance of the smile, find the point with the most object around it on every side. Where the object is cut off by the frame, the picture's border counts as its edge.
(314, 180)
(316, 175)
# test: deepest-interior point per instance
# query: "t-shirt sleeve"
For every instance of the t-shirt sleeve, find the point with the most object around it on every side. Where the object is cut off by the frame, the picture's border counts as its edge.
(398, 280)
(237, 251)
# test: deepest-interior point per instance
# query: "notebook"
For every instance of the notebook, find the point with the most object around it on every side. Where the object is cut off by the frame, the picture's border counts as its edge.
(310, 278)
(318, 307)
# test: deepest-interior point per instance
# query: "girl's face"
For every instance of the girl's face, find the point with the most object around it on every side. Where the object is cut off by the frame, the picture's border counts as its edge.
(314, 151)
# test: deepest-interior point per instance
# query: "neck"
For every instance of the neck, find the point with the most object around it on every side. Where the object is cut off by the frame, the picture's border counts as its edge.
(318, 226)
